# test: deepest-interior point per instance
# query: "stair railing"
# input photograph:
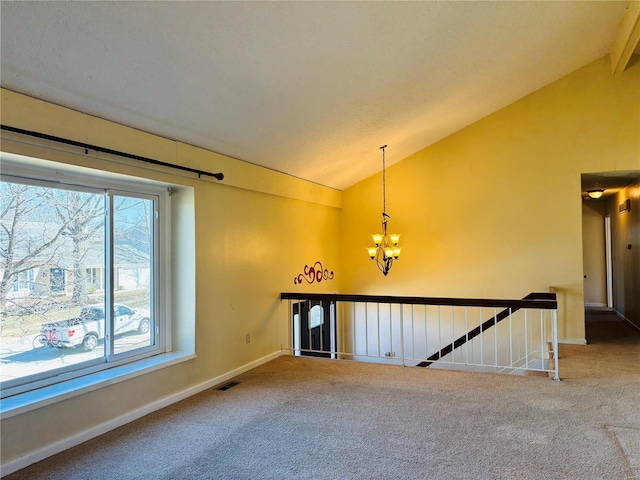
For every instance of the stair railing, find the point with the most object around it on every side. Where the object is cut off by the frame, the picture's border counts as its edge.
(519, 336)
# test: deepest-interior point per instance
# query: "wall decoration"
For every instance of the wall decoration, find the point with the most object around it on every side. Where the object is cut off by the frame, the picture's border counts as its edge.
(313, 274)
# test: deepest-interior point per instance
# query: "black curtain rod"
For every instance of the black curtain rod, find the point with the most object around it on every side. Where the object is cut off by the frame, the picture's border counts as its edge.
(88, 147)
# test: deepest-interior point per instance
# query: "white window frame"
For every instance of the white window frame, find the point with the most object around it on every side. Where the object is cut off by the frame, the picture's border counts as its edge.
(84, 179)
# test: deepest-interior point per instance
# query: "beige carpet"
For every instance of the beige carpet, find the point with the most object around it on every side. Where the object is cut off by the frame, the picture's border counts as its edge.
(308, 418)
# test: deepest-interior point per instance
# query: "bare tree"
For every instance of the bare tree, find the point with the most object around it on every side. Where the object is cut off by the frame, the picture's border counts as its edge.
(44, 228)
(18, 252)
(34, 223)
(82, 214)
(133, 227)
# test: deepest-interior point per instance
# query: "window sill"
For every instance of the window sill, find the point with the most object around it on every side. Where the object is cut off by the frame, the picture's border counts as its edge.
(28, 401)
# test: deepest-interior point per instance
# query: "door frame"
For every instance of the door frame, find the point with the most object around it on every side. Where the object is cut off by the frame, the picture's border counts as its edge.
(608, 260)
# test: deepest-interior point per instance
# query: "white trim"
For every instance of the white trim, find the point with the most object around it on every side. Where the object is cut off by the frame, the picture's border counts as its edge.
(608, 260)
(64, 444)
(372, 359)
(595, 305)
(39, 171)
(46, 173)
(573, 341)
(57, 392)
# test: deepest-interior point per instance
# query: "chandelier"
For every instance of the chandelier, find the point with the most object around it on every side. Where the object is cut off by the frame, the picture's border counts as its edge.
(386, 248)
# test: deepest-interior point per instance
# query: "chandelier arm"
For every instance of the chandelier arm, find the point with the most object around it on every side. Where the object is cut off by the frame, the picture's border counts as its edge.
(383, 264)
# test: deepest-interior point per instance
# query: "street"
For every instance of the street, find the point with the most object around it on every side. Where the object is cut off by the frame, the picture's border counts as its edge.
(18, 357)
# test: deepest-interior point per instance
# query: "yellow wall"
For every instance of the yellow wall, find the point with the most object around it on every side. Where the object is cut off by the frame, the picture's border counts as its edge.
(494, 210)
(593, 253)
(254, 232)
(491, 211)
(625, 246)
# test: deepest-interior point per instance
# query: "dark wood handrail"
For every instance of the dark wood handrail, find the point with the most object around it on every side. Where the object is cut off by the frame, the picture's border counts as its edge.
(544, 301)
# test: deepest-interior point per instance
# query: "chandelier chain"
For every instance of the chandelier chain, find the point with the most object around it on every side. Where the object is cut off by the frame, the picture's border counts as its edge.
(384, 182)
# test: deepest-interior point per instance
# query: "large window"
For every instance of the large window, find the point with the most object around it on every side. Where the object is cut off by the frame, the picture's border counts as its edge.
(79, 277)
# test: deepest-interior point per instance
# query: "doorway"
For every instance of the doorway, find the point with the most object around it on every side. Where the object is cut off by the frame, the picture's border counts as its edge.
(610, 226)
(608, 261)
(314, 328)
(595, 261)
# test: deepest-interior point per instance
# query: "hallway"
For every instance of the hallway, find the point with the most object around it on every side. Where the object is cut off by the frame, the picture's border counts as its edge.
(612, 350)
(604, 327)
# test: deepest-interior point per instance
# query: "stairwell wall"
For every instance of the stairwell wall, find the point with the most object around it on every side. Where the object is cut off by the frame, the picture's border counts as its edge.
(495, 209)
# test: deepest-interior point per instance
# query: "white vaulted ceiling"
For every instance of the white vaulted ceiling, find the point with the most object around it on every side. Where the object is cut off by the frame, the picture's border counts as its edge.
(311, 89)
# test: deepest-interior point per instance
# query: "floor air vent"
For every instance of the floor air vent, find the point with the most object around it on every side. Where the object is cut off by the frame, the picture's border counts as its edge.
(227, 386)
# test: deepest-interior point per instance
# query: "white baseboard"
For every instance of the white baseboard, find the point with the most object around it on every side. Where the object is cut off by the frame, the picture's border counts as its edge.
(595, 305)
(383, 360)
(573, 341)
(77, 439)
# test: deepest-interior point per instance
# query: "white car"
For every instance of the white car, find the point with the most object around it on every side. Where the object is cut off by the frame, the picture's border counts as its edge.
(88, 328)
